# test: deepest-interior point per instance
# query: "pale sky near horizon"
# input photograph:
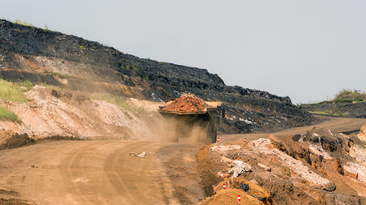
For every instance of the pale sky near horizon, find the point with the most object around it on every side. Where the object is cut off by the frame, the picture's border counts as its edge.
(307, 50)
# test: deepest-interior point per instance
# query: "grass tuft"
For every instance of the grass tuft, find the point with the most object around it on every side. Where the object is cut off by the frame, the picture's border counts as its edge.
(60, 75)
(23, 23)
(9, 91)
(5, 114)
(29, 85)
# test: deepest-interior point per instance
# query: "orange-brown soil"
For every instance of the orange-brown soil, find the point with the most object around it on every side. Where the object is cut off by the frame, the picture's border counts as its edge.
(186, 103)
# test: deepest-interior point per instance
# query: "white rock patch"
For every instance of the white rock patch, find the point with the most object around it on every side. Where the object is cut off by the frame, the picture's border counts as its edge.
(264, 147)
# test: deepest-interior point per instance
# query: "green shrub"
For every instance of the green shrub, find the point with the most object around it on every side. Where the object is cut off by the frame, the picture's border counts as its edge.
(29, 85)
(350, 94)
(9, 91)
(5, 114)
(60, 75)
(343, 101)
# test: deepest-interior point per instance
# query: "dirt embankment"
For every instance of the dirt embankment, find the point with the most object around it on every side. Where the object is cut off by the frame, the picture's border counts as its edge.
(72, 114)
(319, 167)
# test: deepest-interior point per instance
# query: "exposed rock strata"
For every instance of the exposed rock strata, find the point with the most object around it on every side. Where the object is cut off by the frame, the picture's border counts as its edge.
(28, 53)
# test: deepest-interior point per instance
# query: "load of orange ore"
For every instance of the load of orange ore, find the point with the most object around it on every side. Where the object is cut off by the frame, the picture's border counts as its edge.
(186, 103)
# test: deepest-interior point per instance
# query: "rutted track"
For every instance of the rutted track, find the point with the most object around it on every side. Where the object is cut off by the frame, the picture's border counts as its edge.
(87, 172)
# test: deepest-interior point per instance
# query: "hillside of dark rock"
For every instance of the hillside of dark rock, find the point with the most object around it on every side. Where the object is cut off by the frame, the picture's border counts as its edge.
(54, 58)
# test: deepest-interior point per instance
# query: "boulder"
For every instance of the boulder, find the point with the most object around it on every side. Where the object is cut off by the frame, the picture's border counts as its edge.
(239, 168)
(329, 187)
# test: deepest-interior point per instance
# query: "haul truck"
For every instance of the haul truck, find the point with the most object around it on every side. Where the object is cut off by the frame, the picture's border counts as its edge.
(194, 127)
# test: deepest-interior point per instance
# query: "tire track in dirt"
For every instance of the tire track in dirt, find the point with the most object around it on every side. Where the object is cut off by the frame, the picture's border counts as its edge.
(137, 179)
(73, 168)
(87, 172)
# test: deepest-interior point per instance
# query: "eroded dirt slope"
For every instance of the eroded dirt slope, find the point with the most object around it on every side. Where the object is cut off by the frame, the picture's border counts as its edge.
(49, 113)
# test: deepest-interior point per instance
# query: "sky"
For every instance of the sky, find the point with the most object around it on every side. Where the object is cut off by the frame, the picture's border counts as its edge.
(307, 50)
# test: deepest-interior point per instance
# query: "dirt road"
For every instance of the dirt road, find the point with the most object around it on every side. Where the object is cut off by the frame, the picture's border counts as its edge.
(103, 172)
(332, 123)
(91, 172)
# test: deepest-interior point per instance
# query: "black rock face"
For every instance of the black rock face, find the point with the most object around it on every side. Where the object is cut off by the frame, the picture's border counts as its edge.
(244, 187)
(244, 110)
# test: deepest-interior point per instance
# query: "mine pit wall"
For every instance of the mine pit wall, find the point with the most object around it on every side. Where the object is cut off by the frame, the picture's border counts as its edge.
(242, 114)
(34, 50)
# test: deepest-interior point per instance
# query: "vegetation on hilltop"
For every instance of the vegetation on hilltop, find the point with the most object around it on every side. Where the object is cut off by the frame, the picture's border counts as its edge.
(346, 96)
(349, 94)
(346, 103)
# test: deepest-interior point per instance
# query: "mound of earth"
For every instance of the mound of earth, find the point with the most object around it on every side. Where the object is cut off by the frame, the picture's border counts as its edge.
(319, 167)
(230, 197)
(186, 103)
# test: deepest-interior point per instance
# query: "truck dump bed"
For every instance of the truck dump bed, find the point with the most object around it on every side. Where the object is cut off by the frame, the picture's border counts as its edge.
(189, 104)
(195, 118)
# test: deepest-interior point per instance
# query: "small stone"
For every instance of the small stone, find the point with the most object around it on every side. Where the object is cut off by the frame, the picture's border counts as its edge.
(264, 167)
(244, 187)
(329, 187)
(142, 155)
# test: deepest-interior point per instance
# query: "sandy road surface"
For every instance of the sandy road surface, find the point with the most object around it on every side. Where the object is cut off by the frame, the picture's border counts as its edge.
(103, 172)
(334, 124)
(88, 172)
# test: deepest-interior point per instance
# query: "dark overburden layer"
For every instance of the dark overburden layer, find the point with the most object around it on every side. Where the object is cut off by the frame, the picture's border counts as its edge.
(245, 110)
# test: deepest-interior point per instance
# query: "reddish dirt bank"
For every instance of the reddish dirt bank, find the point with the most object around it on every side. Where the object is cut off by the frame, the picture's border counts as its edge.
(317, 167)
